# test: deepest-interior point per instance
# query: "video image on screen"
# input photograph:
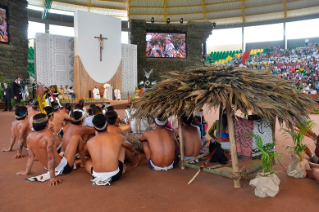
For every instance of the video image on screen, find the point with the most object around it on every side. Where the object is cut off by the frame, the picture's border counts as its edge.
(170, 45)
(4, 35)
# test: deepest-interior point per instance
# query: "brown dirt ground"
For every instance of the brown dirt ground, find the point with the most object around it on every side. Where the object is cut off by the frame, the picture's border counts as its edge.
(141, 189)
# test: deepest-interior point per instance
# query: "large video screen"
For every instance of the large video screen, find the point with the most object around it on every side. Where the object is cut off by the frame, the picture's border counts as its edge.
(4, 34)
(166, 45)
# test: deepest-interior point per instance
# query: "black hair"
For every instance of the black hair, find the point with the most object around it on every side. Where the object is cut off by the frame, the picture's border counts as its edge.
(97, 108)
(78, 106)
(92, 106)
(21, 112)
(187, 120)
(110, 108)
(77, 115)
(67, 107)
(39, 126)
(49, 110)
(90, 111)
(111, 117)
(55, 105)
(99, 121)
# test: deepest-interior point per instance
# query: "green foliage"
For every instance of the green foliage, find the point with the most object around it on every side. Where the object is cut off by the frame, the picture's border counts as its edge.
(267, 152)
(1, 93)
(298, 136)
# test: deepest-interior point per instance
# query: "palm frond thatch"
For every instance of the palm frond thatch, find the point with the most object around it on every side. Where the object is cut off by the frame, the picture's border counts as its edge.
(245, 89)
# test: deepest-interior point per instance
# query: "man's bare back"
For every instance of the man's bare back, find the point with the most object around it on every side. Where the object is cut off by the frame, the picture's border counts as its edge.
(59, 120)
(192, 141)
(104, 149)
(38, 144)
(75, 130)
(161, 142)
(19, 132)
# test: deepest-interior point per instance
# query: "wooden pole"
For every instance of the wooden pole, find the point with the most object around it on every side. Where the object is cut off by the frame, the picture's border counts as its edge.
(181, 143)
(220, 123)
(274, 130)
(233, 151)
(224, 173)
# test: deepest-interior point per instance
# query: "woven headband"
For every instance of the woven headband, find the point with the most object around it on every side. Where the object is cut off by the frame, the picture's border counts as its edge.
(102, 128)
(160, 123)
(19, 117)
(76, 120)
(41, 120)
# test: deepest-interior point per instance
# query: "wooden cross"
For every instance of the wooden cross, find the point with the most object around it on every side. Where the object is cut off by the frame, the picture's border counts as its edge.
(100, 38)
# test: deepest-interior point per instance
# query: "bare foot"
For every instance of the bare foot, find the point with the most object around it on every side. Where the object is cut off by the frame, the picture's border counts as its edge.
(137, 157)
(124, 169)
(6, 150)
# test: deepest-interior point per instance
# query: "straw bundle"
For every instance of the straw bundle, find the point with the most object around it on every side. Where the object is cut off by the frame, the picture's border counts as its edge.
(244, 89)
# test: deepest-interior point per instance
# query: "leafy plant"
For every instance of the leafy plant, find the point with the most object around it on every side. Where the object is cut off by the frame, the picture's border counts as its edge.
(268, 154)
(297, 136)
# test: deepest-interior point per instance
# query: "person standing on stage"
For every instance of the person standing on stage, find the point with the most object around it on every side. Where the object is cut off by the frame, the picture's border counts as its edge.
(6, 97)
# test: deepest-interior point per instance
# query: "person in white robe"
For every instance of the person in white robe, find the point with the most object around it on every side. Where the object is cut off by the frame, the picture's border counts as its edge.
(117, 94)
(108, 92)
(96, 93)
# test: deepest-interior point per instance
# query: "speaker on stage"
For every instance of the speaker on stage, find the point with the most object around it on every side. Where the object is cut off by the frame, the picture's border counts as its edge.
(90, 95)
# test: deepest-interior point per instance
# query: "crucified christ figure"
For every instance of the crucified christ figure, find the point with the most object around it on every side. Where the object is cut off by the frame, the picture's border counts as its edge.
(100, 38)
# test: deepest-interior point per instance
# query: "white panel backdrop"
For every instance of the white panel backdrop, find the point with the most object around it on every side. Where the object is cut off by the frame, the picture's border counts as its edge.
(88, 25)
(129, 69)
(54, 59)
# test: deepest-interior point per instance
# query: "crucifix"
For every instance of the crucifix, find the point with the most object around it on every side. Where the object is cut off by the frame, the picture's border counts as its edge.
(100, 38)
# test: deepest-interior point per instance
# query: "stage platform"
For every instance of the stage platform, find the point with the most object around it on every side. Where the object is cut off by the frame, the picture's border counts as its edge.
(117, 104)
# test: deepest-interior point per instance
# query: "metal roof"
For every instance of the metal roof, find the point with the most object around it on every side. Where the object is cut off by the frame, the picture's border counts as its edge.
(223, 12)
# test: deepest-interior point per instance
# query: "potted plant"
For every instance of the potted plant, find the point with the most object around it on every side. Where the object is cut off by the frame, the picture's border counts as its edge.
(298, 165)
(266, 182)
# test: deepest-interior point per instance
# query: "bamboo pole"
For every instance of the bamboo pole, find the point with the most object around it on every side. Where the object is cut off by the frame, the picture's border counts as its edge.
(197, 157)
(181, 143)
(211, 171)
(224, 173)
(274, 130)
(220, 123)
(233, 152)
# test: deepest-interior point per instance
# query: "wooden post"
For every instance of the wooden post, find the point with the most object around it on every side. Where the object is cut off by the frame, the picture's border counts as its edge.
(274, 130)
(233, 152)
(181, 143)
(220, 123)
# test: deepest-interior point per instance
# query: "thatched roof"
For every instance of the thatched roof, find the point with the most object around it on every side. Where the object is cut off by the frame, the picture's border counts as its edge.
(267, 95)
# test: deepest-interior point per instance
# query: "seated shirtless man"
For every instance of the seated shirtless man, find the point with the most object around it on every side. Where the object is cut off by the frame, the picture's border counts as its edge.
(59, 119)
(159, 146)
(111, 118)
(32, 111)
(66, 110)
(107, 152)
(314, 162)
(19, 131)
(41, 146)
(52, 127)
(76, 129)
(191, 138)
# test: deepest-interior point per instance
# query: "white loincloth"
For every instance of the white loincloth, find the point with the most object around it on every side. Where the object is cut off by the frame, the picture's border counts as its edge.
(103, 178)
(157, 168)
